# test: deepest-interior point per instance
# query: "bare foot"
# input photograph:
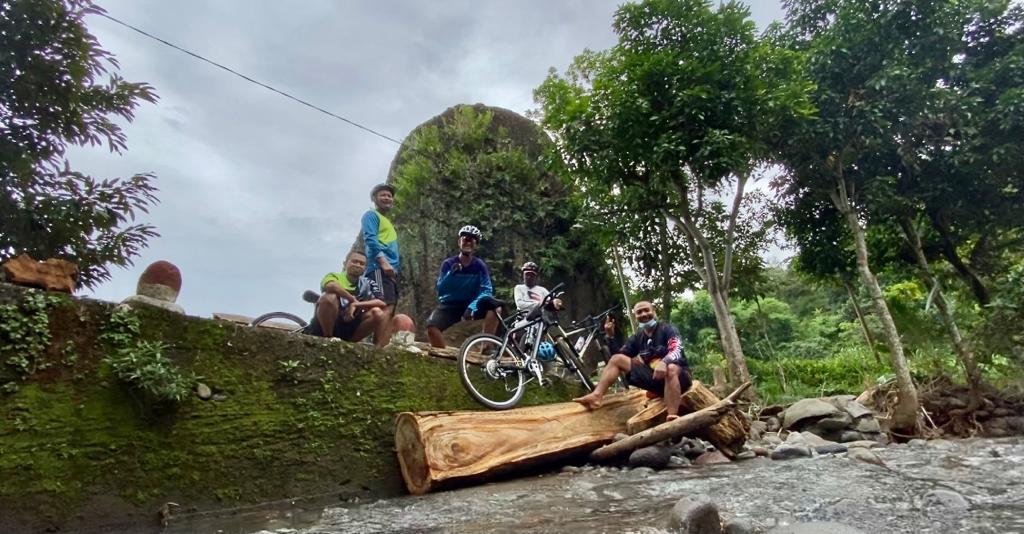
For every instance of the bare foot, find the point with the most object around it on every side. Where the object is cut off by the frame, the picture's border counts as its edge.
(591, 401)
(671, 418)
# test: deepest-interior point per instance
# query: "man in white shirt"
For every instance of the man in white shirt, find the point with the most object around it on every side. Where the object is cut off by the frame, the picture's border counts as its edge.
(528, 294)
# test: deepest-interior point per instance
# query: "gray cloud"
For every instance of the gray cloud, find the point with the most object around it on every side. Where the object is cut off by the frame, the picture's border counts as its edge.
(260, 195)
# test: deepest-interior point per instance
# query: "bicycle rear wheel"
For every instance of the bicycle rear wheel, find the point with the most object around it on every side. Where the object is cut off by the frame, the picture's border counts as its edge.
(281, 321)
(495, 380)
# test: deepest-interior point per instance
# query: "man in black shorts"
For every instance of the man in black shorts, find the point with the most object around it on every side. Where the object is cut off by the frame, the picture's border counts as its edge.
(464, 290)
(381, 244)
(350, 305)
(652, 359)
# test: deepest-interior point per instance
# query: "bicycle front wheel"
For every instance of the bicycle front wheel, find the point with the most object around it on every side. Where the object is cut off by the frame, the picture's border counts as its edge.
(573, 361)
(281, 321)
(495, 380)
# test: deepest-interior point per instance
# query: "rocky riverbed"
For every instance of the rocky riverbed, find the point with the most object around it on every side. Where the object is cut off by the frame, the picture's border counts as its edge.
(938, 486)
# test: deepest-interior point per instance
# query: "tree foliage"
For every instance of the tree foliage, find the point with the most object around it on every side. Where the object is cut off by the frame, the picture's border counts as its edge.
(56, 90)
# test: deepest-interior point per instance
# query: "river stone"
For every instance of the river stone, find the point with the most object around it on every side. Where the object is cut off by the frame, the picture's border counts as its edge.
(203, 391)
(833, 448)
(678, 461)
(654, 457)
(760, 451)
(690, 516)
(805, 409)
(773, 424)
(868, 424)
(788, 452)
(850, 435)
(746, 455)
(808, 438)
(817, 527)
(772, 439)
(757, 429)
(711, 458)
(943, 500)
(619, 437)
(836, 421)
(917, 442)
(856, 409)
(864, 455)
(570, 469)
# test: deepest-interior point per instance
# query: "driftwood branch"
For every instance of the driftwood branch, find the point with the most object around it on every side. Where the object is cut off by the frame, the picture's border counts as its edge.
(688, 423)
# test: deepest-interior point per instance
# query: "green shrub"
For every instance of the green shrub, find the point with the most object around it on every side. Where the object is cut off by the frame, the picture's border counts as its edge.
(142, 364)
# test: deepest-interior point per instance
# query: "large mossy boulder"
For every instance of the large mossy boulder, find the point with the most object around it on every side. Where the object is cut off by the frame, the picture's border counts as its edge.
(495, 169)
(289, 416)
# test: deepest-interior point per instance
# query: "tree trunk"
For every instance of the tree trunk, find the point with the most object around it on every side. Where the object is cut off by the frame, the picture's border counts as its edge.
(953, 257)
(963, 350)
(666, 272)
(731, 345)
(441, 449)
(686, 424)
(863, 323)
(904, 415)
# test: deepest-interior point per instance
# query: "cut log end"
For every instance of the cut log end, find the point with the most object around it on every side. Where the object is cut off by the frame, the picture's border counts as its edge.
(412, 456)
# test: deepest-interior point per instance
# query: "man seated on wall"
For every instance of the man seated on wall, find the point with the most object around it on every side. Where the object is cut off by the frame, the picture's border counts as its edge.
(351, 306)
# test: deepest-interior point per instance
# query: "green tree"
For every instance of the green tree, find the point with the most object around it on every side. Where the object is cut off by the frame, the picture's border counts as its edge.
(683, 108)
(56, 91)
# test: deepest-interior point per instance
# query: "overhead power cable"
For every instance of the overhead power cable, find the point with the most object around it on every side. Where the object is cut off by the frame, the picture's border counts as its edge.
(251, 79)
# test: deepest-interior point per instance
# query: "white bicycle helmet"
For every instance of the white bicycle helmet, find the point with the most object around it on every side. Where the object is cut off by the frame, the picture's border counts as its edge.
(471, 231)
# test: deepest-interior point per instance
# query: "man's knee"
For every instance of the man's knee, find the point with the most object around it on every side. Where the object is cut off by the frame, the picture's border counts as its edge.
(621, 361)
(330, 300)
(374, 315)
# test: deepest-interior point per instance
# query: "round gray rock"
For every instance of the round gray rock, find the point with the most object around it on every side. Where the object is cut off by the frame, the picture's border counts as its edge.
(690, 516)
(943, 500)
(788, 452)
(805, 409)
(203, 391)
(834, 448)
(653, 457)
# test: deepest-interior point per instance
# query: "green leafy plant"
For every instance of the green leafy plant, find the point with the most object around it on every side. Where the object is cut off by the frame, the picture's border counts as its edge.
(142, 363)
(24, 337)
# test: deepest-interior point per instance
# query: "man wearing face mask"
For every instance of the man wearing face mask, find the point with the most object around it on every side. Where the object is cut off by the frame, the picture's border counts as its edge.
(651, 359)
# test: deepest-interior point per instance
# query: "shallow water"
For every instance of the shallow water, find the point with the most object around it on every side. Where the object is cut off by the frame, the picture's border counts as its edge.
(987, 472)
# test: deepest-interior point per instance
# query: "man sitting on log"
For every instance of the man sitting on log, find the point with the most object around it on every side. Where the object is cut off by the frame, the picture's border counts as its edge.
(651, 359)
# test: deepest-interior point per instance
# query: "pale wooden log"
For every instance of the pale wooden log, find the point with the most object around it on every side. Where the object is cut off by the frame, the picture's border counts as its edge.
(671, 429)
(652, 415)
(437, 449)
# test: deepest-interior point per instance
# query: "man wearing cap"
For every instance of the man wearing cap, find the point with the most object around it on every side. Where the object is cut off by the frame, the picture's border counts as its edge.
(381, 244)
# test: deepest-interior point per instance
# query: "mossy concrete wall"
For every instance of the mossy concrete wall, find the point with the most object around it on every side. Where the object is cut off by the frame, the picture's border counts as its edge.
(79, 448)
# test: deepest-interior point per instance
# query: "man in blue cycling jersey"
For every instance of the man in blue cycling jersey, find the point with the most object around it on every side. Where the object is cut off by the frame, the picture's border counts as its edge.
(464, 290)
(381, 244)
(652, 359)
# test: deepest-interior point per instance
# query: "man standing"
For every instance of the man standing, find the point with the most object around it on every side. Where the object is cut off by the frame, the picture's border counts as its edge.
(350, 305)
(381, 244)
(464, 290)
(652, 359)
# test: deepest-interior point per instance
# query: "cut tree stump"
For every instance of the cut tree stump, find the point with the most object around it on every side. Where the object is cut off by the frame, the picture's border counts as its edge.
(730, 432)
(691, 422)
(440, 449)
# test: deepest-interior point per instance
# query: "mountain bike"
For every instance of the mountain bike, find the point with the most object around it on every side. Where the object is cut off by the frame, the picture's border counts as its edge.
(293, 324)
(495, 370)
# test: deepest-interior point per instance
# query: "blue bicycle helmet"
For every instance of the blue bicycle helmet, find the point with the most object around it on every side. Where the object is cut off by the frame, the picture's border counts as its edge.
(546, 352)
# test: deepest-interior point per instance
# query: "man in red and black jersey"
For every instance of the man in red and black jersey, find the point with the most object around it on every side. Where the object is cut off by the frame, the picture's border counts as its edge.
(652, 359)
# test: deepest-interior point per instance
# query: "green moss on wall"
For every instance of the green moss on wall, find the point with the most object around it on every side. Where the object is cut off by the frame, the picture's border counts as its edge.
(78, 447)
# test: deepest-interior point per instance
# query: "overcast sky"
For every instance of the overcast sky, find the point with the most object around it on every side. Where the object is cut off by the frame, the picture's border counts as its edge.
(260, 196)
